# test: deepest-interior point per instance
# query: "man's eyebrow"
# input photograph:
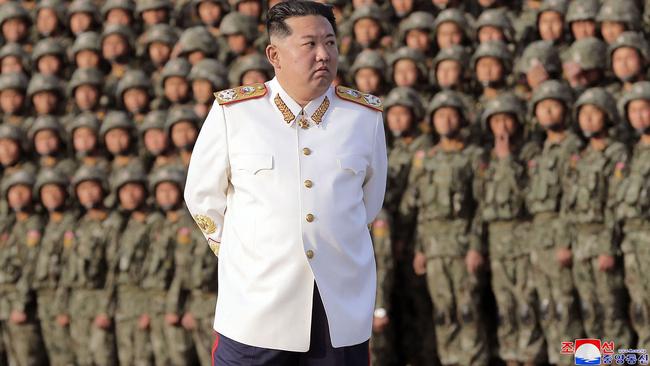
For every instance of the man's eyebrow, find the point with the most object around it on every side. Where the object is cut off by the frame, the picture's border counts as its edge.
(310, 36)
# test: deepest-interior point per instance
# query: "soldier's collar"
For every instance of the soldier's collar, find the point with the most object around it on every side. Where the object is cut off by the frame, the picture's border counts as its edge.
(291, 112)
(22, 216)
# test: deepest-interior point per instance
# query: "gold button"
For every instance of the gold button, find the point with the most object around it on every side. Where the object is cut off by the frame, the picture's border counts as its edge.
(310, 218)
(306, 151)
(308, 183)
(310, 254)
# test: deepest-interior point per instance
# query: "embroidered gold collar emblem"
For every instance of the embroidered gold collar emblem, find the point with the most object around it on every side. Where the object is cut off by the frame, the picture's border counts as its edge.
(303, 122)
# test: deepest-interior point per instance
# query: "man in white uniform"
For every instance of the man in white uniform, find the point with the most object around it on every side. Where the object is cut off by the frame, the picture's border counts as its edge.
(284, 180)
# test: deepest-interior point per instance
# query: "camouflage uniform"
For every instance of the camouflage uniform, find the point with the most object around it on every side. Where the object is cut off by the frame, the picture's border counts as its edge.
(441, 196)
(502, 212)
(638, 42)
(83, 285)
(547, 171)
(9, 132)
(631, 206)
(19, 242)
(49, 264)
(591, 226)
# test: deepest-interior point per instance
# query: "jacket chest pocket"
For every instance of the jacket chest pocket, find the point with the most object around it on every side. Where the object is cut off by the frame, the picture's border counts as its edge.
(352, 168)
(251, 164)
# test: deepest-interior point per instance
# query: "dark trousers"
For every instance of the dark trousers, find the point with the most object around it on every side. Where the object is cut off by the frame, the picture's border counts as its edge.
(228, 352)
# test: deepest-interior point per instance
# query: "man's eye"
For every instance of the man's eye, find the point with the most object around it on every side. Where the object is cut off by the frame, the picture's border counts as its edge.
(310, 44)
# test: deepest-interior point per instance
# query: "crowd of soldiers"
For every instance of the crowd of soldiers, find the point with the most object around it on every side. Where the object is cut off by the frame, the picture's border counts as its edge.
(517, 200)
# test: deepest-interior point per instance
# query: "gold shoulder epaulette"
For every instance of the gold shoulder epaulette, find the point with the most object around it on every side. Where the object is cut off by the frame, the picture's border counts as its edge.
(245, 92)
(355, 96)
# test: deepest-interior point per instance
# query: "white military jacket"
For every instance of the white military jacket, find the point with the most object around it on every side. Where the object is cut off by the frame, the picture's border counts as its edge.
(285, 198)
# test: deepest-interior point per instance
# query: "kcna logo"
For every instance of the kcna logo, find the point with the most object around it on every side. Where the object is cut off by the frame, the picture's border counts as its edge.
(587, 351)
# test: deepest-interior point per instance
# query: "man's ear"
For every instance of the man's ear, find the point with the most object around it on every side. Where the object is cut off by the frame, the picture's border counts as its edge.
(273, 55)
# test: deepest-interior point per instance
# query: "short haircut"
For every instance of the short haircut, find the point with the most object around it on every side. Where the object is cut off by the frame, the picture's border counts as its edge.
(275, 22)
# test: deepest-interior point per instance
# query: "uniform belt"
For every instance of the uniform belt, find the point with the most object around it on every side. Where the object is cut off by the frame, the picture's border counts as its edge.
(639, 224)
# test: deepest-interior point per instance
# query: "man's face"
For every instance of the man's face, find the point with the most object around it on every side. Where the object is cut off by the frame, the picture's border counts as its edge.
(118, 16)
(402, 7)
(448, 34)
(489, 70)
(638, 112)
(252, 8)
(11, 64)
(399, 119)
(19, 196)
(448, 73)
(307, 58)
(417, 39)
(549, 112)
(366, 31)
(209, 12)
(80, 22)
(114, 46)
(167, 195)
(117, 141)
(46, 21)
(46, 142)
(446, 121)
(52, 196)
(237, 43)
(45, 102)
(406, 73)
(591, 119)
(583, 29)
(86, 96)
(49, 65)
(183, 135)
(490, 33)
(136, 100)
(253, 77)
(367, 80)
(611, 30)
(626, 63)
(89, 193)
(11, 100)
(176, 89)
(202, 90)
(159, 53)
(87, 59)
(9, 151)
(502, 124)
(14, 30)
(84, 139)
(131, 195)
(155, 141)
(550, 25)
(154, 16)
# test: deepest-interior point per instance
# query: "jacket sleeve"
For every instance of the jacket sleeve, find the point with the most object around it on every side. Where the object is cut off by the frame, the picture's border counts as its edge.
(374, 186)
(208, 176)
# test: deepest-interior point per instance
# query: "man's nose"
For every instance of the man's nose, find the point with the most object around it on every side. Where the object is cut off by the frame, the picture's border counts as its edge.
(322, 54)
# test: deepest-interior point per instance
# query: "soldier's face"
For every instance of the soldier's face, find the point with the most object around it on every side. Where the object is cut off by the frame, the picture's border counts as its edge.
(502, 124)
(402, 7)
(89, 193)
(155, 16)
(549, 112)
(167, 195)
(202, 90)
(489, 70)
(638, 113)
(14, 30)
(45, 102)
(176, 89)
(11, 100)
(237, 43)
(405, 73)
(448, 34)
(118, 16)
(209, 12)
(159, 53)
(367, 80)
(550, 25)
(418, 39)
(9, 151)
(19, 196)
(195, 57)
(305, 60)
(583, 29)
(626, 63)
(87, 59)
(114, 46)
(399, 119)
(252, 8)
(11, 64)
(611, 30)
(52, 196)
(84, 139)
(366, 31)
(253, 77)
(183, 134)
(46, 21)
(46, 142)
(86, 97)
(117, 140)
(448, 73)
(591, 119)
(131, 196)
(490, 33)
(155, 141)
(49, 65)
(446, 121)
(135, 100)
(80, 22)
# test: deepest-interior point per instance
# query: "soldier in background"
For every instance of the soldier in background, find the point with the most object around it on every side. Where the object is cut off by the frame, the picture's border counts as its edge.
(48, 141)
(12, 98)
(182, 129)
(205, 77)
(83, 135)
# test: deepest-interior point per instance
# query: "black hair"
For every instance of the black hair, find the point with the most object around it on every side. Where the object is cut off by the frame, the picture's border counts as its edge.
(275, 22)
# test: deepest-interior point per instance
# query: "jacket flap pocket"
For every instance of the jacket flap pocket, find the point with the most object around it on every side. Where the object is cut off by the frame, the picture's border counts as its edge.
(356, 163)
(252, 162)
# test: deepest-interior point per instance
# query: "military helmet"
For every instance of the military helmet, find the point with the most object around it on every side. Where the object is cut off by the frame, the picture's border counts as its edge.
(12, 132)
(20, 177)
(40, 83)
(163, 33)
(551, 89)
(503, 103)
(211, 70)
(416, 20)
(623, 11)
(640, 90)
(455, 52)
(47, 46)
(238, 23)
(602, 99)
(166, 174)
(122, 30)
(84, 6)
(86, 76)
(406, 97)
(409, 54)
(559, 6)
(144, 5)
(178, 114)
(496, 49)
(540, 52)
(447, 98)
(84, 119)
(496, 18)
(457, 16)
(14, 80)
(86, 41)
(46, 122)
(12, 10)
(128, 175)
(14, 49)
(132, 79)
(368, 59)
(582, 10)
(56, 5)
(371, 11)
(87, 173)
(254, 61)
(109, 5)
(589, 53)
(225, 7)
(197, 38)
(115, 119)
(175, 67)
(153, 120)
(633, 40)
(49, 176)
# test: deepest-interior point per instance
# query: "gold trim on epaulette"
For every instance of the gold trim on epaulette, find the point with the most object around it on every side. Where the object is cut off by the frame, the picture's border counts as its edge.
(240, 93)
(355, 96)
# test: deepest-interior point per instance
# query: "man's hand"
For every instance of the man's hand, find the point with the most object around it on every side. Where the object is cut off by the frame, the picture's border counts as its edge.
(144, 322)
(172, 319)
(380, 323)
(606, 262)
(102, 321)
(473, 261)
(188, 321)
(63, 320)
(419, 263)
(18, 317)
(564, 257)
